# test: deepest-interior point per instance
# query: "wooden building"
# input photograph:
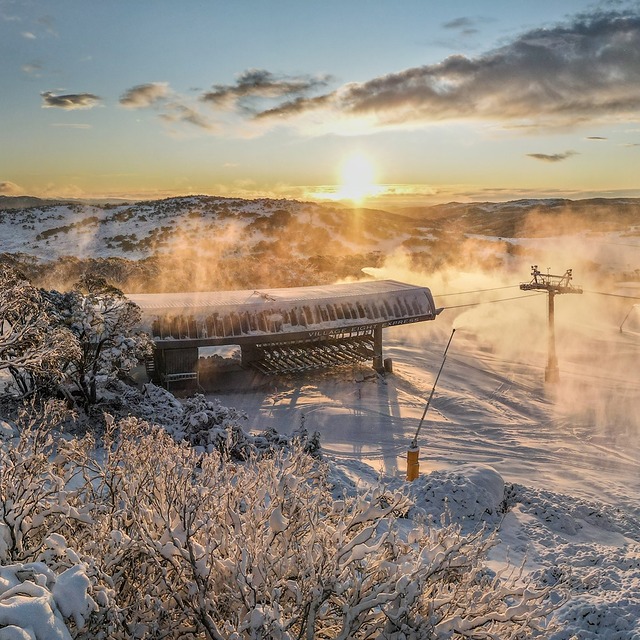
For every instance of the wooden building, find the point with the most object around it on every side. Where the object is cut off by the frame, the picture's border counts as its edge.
(280, 330)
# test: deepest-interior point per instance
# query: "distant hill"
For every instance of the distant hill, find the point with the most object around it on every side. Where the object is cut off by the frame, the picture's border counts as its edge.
(24, 202)
(194, 241)
(531, 218)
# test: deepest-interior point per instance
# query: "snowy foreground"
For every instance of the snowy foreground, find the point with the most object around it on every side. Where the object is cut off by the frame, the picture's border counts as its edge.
(552, 468)
(555, 468)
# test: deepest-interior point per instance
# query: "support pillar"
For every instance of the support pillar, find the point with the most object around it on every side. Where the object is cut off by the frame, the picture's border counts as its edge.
(552, 373)
(378, 364)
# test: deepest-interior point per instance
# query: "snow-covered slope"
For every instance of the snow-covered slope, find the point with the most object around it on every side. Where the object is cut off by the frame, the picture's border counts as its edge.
(199, 224)
(556, 468)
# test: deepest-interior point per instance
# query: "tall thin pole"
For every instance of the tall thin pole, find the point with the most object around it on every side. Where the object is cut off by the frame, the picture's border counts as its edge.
(413, 453)
(414, 442)
(552, 373)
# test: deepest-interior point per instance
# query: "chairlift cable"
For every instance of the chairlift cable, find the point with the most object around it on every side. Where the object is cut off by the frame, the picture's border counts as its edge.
(462, 293)
(475, 304)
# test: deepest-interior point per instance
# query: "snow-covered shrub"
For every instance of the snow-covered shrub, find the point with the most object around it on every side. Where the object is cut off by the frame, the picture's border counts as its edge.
(208, 425)
(44, 589)
(192, 544)
(37, 604)
(33, 347)
(34, 494)
(157, 538)
(105, 324)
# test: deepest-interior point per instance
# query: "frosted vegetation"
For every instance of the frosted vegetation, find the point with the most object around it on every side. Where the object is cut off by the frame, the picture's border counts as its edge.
(172, 522)
(139, 535)
(125, 513)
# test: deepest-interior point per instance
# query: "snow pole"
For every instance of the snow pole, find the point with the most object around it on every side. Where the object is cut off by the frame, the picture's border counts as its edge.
(413, 454)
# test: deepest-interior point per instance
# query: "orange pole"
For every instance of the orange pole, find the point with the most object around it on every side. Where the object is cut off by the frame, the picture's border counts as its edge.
(413, 463)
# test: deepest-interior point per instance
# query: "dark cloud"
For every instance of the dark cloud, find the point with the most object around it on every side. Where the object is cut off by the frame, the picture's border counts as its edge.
(466, 26)
(292, 107)
(596, 138)
(70, 100)
(459, 23)
(554, 157)
(144, 95)
(260, 84)
(556, 77)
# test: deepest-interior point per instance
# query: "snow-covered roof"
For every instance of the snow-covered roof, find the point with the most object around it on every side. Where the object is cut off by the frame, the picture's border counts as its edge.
(254, 312)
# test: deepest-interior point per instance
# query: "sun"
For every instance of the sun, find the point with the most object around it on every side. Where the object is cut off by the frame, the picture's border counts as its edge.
(357, 179)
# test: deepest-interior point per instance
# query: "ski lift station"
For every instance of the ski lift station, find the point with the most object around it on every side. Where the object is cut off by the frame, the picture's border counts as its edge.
(279, 330)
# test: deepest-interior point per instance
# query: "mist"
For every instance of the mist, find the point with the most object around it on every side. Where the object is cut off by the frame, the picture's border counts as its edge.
(598, 393)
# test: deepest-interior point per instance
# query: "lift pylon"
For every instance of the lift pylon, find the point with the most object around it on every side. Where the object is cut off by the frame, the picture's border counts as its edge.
(553, 285)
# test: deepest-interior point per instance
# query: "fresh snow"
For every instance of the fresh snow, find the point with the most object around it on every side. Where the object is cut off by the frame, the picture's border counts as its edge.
(555, 468)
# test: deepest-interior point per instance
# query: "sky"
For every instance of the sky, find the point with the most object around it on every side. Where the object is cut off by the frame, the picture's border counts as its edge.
(381, 102)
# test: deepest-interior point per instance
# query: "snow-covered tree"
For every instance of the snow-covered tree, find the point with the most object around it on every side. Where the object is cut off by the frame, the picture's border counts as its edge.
(34, 347)
(105, 323)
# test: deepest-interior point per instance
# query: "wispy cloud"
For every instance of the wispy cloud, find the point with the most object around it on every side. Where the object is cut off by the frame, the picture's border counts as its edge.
(69, 101)
(48, 23)
(176, 112)
(145, 95)
(172, 108)
(71, 125)
(28, 35)
(32, 69)
(256, 84)
(464, 25)
(570, 74)
(553, 157)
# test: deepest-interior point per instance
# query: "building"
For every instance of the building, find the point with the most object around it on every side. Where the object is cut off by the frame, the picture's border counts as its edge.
(279, 330)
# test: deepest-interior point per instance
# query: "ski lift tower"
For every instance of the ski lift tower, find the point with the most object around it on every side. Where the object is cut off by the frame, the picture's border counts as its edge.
(553, 285)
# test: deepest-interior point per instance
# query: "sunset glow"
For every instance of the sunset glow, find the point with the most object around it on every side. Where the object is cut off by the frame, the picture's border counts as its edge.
(244, 100)
(357, 179)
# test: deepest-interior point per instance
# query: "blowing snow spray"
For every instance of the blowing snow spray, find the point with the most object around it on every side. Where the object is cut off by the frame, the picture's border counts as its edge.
(413, 454)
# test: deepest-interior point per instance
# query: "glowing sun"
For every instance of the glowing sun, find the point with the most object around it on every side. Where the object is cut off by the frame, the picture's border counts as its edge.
(357, 179)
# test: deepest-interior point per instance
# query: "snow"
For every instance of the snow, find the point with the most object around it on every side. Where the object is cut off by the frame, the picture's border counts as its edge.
(33, 601)
(555, 468)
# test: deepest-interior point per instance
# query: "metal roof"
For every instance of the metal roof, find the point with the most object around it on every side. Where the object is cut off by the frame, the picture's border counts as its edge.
(221, 315)
(193, 302)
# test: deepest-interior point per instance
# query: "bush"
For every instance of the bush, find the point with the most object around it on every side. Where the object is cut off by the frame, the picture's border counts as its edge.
(176, 542)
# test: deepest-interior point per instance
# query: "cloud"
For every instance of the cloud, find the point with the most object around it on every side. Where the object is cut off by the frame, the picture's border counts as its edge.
(48, 23)
(32, 69)
(465, 25)
(256, 84)
(172, 108)
(177, 112)
(10, 189)
(554, 157)
(596, 138)
(69, 101)
(144, 95)
(71, 125)
(28, 35)
(563, 76)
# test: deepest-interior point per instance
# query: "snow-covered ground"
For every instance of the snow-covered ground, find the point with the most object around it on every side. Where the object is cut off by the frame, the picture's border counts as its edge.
(565, 457)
